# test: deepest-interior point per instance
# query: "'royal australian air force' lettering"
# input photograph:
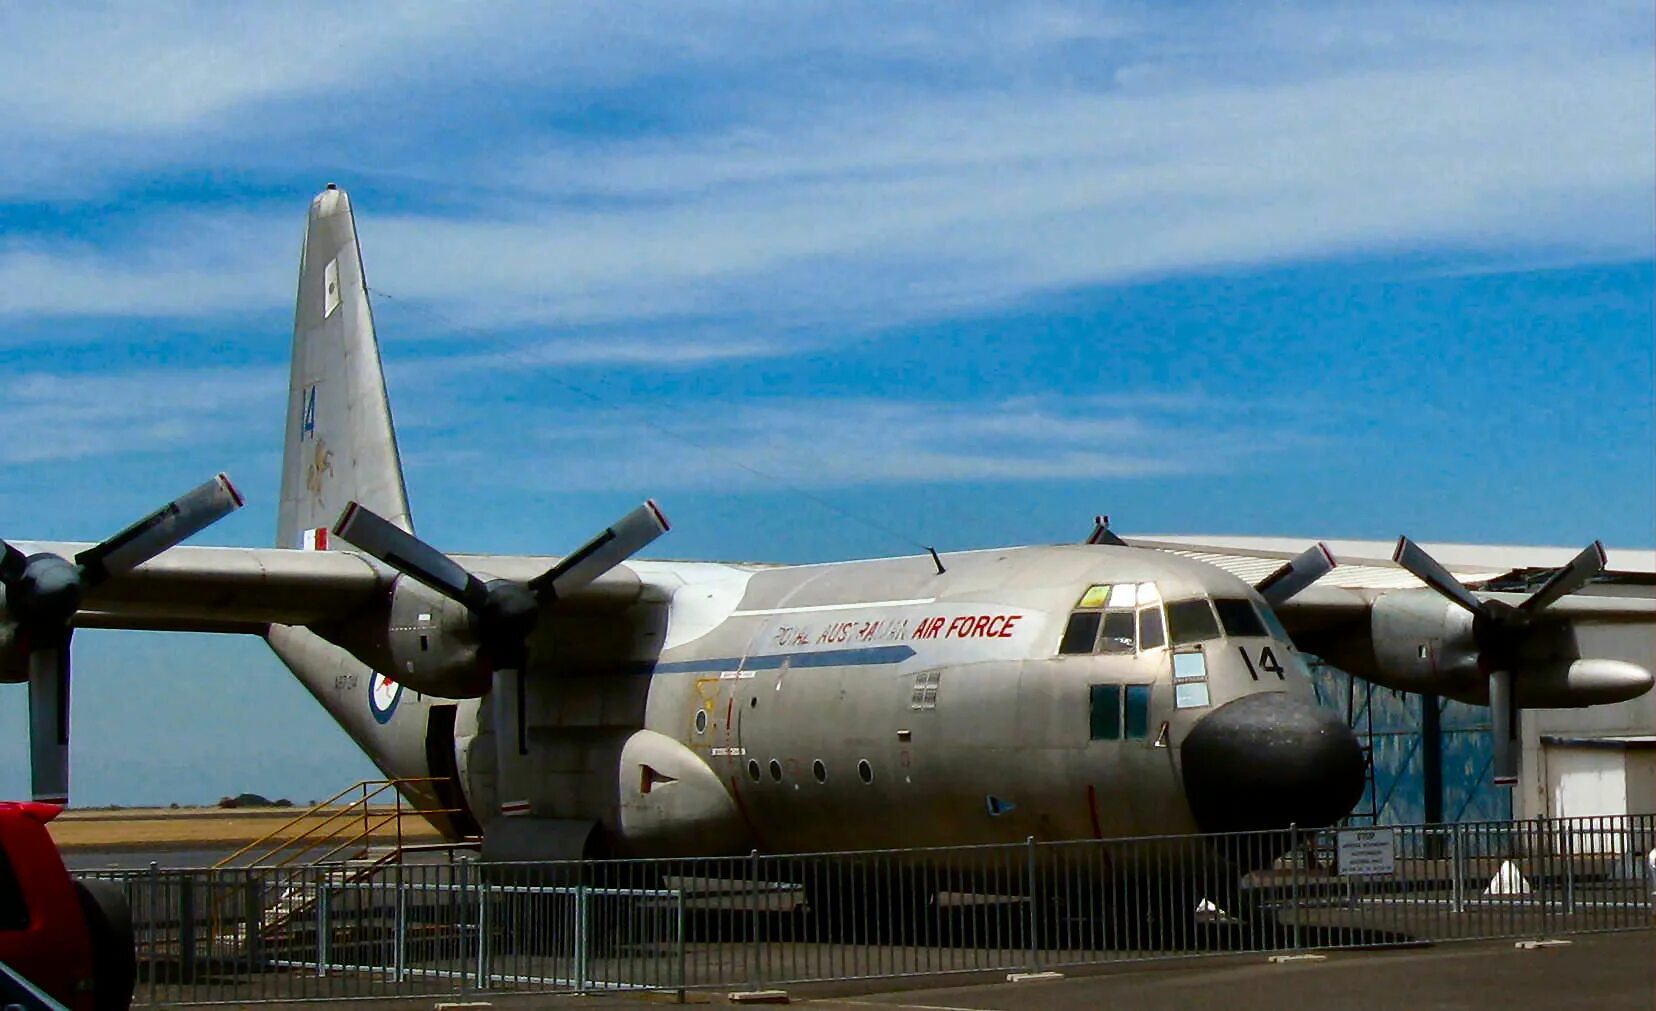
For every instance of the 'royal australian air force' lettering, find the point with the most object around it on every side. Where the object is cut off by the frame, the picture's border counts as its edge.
(893, 629)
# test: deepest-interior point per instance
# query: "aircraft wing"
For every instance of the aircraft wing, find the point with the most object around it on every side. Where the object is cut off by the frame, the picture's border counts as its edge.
(1365, 569)
(205, 589)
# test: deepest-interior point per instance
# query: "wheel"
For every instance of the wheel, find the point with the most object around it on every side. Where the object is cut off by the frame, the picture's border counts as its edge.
(114, 954)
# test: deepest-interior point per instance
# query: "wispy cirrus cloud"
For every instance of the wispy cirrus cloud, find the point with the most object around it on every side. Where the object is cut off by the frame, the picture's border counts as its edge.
(825, 442)
(1073, 148)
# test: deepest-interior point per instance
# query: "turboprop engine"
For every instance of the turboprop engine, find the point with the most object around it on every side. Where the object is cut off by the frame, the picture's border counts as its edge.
(421, 639)
(1424, 643)
(1505, 651)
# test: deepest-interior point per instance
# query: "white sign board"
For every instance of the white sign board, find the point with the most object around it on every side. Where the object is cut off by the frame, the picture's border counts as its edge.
(1366, 851)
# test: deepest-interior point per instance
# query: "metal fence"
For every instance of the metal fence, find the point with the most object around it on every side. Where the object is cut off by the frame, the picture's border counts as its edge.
(464, 927)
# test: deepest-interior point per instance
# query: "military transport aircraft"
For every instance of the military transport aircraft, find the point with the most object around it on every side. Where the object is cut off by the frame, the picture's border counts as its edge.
(597, 703)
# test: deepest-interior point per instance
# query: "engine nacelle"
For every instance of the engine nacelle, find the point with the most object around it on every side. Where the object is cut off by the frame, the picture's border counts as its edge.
(1423, 643)
(420, 639)
(1573, 684)
(1418, 641)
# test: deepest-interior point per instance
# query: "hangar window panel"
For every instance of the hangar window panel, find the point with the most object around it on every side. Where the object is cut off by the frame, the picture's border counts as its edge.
(1191, 621)
(1138, 712)
(1118, 632)
(1105, 714)
(1239, 618)
(1081, 632)
(1150, 631)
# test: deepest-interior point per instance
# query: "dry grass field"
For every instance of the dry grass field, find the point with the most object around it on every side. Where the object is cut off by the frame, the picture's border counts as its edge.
(205, 827)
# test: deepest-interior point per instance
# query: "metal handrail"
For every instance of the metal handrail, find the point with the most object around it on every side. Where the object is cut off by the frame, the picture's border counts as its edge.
(346, 813)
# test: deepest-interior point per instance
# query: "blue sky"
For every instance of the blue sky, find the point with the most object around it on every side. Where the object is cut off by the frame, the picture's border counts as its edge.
(827, 281)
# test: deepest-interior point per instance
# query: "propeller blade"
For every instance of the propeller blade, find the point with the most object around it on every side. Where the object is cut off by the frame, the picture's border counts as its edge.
(188, 514)
(49, 722)
(12, 564)
(601, 554)
(1504, 730)
(1101, 533)
(411, 556)
(1296, 574)
(1567, 580)
(1425, 568)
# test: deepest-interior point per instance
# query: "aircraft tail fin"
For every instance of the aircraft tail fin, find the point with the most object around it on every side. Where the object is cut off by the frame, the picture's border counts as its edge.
(339, 444)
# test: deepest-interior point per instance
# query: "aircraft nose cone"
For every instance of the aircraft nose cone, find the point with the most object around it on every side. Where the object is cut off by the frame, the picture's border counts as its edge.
(1269, 761)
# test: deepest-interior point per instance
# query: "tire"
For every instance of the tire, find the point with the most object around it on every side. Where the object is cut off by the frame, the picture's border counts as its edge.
(114, 955)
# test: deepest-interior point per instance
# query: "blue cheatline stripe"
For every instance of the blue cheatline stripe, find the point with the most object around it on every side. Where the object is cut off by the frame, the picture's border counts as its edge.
(860, 656)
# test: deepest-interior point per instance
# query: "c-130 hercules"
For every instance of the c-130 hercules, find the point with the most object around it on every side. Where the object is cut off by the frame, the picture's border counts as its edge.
(601, 704)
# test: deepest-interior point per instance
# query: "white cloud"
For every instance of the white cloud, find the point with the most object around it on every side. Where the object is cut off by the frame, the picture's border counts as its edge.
(820, 442)
(53, 417)
(1076, 150)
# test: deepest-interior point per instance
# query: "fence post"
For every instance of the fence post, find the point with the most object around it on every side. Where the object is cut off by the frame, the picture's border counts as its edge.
(684, 969)
(583, 924)
(1457, 858)
(153, 948)
(463, 891)
(754, 974)
(1034, 918)
(1294, 879)
(401, 923)
(482, 932)
(1569, 865)
(186, 928)
(323, 931)
(253, 887)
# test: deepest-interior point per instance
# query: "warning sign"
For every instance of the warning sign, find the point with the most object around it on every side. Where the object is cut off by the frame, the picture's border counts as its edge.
(1364, 851)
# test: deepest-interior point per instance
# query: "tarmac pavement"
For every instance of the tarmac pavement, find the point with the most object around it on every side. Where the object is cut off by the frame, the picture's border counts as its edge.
(1600, 972)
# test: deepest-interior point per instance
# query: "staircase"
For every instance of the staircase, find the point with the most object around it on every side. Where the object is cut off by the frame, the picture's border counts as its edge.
(343, 840)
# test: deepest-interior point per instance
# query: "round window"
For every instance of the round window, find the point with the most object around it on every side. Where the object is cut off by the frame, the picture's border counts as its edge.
(865, 770)
(776, 770)
(820, 771)
(701, 721)
(753, 769)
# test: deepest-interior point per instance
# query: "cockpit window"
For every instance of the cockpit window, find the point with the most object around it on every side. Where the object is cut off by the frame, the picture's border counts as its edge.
(1239, 617)
(1274, 623)
(1081, 632)
(1115, 618)
(1118, 632)
(1150, 628)
(1191, 621)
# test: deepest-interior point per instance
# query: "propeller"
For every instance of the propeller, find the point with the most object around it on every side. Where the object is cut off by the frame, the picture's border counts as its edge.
(1296, 574)
(1498, 630)
(504, 611)
(43, 593)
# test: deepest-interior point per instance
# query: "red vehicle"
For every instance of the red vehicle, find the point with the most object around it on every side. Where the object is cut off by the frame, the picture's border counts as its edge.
(71, 939)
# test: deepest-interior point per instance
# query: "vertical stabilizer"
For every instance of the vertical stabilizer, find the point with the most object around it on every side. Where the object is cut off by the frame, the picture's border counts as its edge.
(339, 442)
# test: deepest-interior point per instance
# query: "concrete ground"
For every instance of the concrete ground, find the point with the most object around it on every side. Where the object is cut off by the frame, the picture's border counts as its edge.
(1600, 972)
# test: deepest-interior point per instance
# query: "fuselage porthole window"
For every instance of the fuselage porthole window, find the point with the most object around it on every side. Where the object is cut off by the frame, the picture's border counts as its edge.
(1191, 621)
(701, 721)
(820, 771)
(865, 771)
(776, 770)
(753, 769)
